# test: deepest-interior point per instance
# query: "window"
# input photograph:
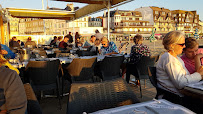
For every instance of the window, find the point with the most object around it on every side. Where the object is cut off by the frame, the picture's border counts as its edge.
(163, 13)
(183, 15)
(179, 19)
(156, 12)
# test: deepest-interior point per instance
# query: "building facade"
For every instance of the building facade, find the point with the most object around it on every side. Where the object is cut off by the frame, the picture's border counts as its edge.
(126, 22)
(94, 22)
(186, 21)
(165, 20)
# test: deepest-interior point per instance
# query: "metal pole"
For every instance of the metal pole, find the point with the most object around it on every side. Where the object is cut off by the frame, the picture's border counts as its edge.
(2, 30)
(73, 31)
(109, 6)
(42, 4)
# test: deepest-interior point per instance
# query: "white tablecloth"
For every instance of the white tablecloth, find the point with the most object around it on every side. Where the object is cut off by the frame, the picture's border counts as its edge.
(151, 107)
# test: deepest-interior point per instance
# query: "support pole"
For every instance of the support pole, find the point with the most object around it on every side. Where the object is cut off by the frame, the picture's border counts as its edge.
(73, 31)
(108, 7)
(2, 30)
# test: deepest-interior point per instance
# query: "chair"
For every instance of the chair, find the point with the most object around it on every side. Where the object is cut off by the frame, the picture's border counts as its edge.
(33, 106)
(153, 80)
(110, 67)
(43, 75)
(82, 70)
(139, 70)
(91, 97)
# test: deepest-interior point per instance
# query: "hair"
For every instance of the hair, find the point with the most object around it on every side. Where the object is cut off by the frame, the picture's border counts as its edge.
(97, 31)
(104, 38)
(29, 38)
(55, 37)
(92, 36)
(171, 38)
(190, 43)
(2, 61)
(59, 38)
(13, 37)
(137, 38)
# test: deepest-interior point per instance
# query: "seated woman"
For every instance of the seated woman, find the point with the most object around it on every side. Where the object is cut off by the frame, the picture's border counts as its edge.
(12, 94)
(192, 55)
(137, 52)
(171, 73)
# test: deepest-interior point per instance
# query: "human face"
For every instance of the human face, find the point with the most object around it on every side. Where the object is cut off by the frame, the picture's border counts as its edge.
(178, 46)
(66, 39)
(104, 43)
(92, 39)
(190, 53)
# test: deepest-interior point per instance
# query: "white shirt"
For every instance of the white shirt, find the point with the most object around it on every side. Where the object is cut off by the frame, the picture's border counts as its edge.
(173, 75)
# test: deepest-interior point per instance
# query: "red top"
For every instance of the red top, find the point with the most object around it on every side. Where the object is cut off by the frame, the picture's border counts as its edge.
(190, 63)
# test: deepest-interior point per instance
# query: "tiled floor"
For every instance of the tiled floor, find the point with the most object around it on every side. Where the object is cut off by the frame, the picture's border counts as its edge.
(51, 105)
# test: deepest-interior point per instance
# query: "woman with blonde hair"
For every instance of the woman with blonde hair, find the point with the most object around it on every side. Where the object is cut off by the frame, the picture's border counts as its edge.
(12, 94)
(171, 72)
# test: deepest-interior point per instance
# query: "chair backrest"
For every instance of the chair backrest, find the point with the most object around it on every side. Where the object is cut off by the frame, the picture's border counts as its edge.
(144, 62)
(110, 67)
(33, 106)
(43, 72)
(152, 75)
(82, 69)
(91, 97)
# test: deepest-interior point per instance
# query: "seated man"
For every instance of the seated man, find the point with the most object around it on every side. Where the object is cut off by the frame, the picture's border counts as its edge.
(91, 44)
(192, 55)
(53, 42)
(30, 43)
(108, 48)
(20, 43)
(13, 99)
(7, 53)
(64, 44)
(13, 43)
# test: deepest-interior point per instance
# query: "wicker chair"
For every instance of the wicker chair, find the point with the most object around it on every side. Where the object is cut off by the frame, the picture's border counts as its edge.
(33, 106)
(110, 67)
(139, 70)
(91, 97)
(82, 70)
(44, 75)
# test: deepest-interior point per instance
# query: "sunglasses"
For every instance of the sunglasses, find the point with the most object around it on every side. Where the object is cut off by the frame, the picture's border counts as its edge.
(103, 44)
(181, 44)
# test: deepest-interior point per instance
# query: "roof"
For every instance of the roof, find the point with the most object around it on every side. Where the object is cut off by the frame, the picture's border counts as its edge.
(39, 13)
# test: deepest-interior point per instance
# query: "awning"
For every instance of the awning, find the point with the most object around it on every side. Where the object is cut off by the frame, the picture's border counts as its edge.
(39, 13)
(94, 6)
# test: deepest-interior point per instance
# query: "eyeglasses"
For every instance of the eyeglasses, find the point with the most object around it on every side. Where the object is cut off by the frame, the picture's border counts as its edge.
(103, 44)
(181, 44)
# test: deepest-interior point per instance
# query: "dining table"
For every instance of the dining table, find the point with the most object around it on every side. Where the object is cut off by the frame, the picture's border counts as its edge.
(194, 90)
(160, 106)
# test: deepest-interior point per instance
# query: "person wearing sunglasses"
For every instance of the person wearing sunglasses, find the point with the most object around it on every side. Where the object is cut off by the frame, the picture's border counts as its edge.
(108, 48)
(172, 75)
(192, 55)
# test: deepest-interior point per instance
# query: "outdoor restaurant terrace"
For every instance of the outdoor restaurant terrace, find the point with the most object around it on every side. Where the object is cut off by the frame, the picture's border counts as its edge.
(83, 79)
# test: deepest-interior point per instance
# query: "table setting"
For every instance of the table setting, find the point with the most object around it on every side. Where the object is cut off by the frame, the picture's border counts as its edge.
(161, 106)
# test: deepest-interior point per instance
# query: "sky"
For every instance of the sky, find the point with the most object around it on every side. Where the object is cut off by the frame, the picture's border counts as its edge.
(188, 5)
